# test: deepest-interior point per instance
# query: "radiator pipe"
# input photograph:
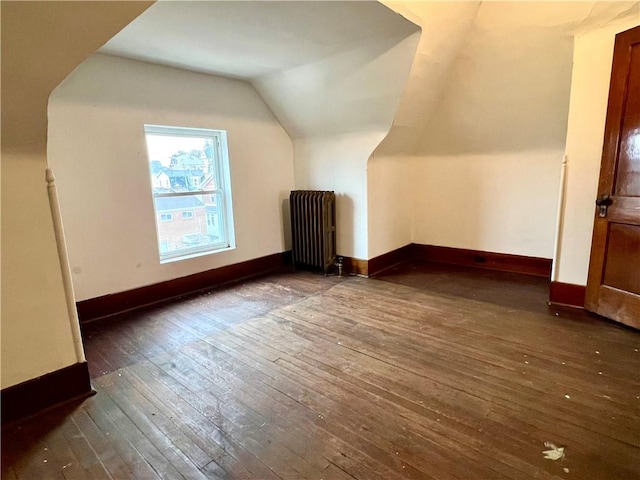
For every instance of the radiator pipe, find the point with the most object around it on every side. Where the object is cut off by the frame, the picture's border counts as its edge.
(557, 247)
(72, 313)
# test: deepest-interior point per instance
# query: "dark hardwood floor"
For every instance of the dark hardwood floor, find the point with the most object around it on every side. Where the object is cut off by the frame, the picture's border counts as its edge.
(427, 371)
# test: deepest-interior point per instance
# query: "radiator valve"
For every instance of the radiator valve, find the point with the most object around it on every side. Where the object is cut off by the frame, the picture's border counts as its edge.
(340, 266)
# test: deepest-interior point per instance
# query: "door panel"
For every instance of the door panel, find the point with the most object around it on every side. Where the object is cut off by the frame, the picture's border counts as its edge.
(613, 287)
(628, 174)
(622, 269)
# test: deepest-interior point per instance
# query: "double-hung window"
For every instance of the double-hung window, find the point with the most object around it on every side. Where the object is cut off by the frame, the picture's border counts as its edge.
(191, 190)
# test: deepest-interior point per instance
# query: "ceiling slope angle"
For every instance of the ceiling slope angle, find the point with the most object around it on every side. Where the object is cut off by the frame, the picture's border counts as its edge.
(249, 39)
(501, 83)
(322, 67)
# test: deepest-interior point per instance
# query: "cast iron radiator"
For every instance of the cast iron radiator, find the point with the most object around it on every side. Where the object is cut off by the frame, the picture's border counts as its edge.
(313, 229)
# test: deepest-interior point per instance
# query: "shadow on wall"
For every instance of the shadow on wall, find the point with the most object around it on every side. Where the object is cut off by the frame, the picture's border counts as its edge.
(286, 222)
(496, 203)
(344, 216)
(118, 88)
(451, 212)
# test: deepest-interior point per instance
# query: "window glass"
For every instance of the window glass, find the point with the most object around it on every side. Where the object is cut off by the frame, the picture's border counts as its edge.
(191, 190)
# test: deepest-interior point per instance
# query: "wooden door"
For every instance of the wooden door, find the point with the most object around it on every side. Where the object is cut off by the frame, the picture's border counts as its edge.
(613, 287)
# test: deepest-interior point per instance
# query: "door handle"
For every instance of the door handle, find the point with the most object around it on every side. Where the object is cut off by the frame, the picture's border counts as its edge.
(603, 202)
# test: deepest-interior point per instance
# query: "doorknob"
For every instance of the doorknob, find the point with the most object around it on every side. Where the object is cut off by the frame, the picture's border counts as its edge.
(603, 202)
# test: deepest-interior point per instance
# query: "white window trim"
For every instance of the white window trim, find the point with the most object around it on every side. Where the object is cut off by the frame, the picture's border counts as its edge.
(223, 179)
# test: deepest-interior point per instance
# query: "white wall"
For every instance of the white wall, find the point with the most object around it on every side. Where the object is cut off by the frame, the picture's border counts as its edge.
(339, 163)
(480, 133)
(97, 152)
(486, 172)
(390, 203)
(593, 54)
(41, 43)
(389, 171)
(502, 203)
(445, 27)
(337, 111)
(36, 333)
(479, 137)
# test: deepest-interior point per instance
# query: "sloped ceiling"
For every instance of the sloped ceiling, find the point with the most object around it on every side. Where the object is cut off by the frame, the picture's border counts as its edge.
(487, 76)
(324, 68)
(249, 39)
(41, 43)
(493, 76)
(357, 90)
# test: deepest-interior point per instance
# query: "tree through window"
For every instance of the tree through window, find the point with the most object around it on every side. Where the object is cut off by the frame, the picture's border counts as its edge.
(191, 190)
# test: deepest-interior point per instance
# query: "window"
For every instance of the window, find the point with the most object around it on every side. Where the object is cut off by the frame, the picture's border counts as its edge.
(190, 178)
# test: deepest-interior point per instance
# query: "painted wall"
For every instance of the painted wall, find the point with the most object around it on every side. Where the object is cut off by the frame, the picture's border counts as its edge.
(339, 163)
(97, 151)
(390, 203)
(41, 43)
(337, 111)
(502, 203)
(593, 54)
(486, 171)
(480, 133)
(444, 30)
(390, 180)
(36, 334)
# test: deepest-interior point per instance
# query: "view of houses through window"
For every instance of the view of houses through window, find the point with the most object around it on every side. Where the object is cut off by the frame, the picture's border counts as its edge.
(191, 190)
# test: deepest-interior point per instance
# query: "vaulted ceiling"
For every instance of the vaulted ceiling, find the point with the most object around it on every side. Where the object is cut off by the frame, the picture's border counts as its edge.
(248, 39)
(492, 76)
(324, 68)
(486, 76)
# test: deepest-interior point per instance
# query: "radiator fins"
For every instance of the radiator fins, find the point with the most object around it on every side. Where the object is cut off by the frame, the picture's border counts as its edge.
(313, 229)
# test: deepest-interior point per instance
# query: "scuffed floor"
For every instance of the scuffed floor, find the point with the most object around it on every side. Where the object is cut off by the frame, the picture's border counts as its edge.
(304, 376)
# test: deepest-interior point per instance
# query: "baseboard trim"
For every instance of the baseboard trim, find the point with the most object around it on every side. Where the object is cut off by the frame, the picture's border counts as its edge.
(41, 393)
(387, 260)
(456, 256)
(475, 258)
(106, 305)
(355, 266)
(567, 294)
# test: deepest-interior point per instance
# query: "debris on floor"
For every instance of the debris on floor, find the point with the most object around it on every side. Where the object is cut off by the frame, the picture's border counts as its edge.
(554, 453)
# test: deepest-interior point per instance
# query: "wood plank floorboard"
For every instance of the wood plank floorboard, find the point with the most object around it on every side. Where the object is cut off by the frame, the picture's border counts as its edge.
(427, 372)
(496, 375)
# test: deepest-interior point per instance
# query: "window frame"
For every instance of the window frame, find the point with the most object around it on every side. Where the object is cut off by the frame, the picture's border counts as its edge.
(222, 192)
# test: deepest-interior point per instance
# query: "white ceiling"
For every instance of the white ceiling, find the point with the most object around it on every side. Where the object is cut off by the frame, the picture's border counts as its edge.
(492, 76)
(487, 75)
(249, 39)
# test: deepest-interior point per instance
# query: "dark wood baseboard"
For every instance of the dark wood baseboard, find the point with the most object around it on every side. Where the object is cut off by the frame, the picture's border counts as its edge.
(355, 266)
(389, 259)
(105, 305)
(474, 258)
(41, 393)
(567, 294)
(456, 256)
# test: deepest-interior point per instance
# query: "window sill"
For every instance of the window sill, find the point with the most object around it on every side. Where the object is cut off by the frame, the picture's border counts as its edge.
(195, 255)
